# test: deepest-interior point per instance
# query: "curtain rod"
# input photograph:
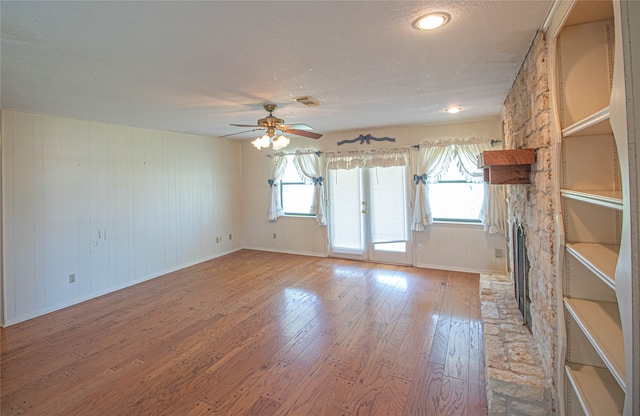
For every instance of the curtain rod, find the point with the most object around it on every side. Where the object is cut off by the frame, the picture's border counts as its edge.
(387, 149)
(443, 142)
(448, 142)
(298, 152)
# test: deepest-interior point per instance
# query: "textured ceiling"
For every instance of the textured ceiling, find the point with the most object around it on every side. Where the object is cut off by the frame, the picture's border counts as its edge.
(195, 67)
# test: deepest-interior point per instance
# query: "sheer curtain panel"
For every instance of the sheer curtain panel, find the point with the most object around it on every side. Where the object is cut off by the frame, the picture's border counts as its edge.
(430, 164)
(493, 212)
(308, 164)
(275, 203)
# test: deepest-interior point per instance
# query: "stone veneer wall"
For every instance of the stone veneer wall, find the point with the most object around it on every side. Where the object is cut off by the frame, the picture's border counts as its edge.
(527, 124)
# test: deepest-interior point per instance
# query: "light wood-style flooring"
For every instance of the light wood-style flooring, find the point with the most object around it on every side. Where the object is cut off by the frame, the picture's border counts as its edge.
(256, 333)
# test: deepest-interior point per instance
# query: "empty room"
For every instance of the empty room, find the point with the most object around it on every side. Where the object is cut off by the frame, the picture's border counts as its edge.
(320, 208)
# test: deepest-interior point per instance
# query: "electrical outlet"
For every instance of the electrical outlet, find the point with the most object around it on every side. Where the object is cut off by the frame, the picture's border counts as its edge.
(72, 278)
(419, 247)
(274, 236)
(499, 253)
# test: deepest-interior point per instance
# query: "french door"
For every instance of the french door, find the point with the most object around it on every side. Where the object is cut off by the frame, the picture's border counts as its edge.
(369, 214)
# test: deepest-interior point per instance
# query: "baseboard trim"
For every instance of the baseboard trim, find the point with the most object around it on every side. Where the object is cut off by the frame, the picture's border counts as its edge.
(457, 269)
(301, 253)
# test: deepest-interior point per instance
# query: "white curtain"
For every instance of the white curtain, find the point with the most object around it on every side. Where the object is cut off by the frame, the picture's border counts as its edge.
(493, 211)
(380, 158)
(275, 204)
(466, 156)
(309, 166)
(434, 159)
(429, 167)
(345, 162)
(387, 158)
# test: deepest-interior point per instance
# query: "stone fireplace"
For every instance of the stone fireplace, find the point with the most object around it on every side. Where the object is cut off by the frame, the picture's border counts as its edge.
(521, 362)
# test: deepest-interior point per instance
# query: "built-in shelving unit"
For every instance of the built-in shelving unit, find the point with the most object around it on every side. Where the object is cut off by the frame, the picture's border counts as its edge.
(592, 196)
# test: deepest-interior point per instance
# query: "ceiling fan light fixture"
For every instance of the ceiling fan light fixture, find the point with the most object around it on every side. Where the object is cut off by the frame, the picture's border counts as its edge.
(431, 21)
(280, 142)
(272, 125)
(262, 142)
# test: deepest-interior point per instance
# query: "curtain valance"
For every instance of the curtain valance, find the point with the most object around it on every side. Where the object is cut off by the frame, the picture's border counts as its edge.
(379, 158)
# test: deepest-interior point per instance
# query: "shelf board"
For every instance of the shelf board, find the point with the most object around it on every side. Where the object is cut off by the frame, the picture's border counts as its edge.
(601, 259)
(595, 124)
(596, 390)
(609, 199)
(600, 322)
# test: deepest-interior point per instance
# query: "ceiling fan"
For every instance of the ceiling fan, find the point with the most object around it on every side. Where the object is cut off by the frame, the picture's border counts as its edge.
(272, 124)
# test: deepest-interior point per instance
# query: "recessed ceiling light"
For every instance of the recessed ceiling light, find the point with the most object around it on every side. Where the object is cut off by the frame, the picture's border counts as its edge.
(453, 110)
(431, 21)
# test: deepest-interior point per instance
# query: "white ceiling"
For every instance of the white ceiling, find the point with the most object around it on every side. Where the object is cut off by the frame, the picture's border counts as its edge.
(195, 67)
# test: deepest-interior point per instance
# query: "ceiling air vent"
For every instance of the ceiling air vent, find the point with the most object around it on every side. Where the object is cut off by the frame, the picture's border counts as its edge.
(308, 101)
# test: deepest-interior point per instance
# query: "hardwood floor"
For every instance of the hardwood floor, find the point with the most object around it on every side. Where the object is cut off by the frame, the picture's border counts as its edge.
(256, 333)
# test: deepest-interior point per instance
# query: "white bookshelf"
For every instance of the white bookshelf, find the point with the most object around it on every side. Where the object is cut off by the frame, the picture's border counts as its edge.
(593, 210)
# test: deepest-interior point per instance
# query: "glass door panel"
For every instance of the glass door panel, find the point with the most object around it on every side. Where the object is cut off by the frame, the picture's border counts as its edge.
(346, 228)
(368, 214)
(388, 216)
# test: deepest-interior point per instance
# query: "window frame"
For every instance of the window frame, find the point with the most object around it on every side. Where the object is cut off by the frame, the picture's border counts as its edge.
(454, 220)
(305, 182)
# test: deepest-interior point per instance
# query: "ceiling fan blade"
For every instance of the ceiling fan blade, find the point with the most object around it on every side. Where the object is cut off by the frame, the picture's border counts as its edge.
(241, 132)
(245, 125)
(300, 126)
(309, 134)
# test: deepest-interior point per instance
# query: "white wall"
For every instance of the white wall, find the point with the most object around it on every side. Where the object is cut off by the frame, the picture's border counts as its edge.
(114, 205)
(446, 246)
(118, 205)
(1, 232)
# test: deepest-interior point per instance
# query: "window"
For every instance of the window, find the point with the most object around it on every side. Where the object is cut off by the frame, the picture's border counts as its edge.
(454, 199)
(296, 191)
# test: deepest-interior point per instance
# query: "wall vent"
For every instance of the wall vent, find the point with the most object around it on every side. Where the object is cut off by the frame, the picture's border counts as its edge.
(308, 101)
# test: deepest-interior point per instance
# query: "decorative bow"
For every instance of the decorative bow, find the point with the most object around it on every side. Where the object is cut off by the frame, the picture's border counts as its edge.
(367, 138)
(271, 182)
(422, 178)
(317, 181)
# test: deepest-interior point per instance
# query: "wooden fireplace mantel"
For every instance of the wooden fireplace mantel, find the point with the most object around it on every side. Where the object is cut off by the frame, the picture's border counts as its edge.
(507, 166)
